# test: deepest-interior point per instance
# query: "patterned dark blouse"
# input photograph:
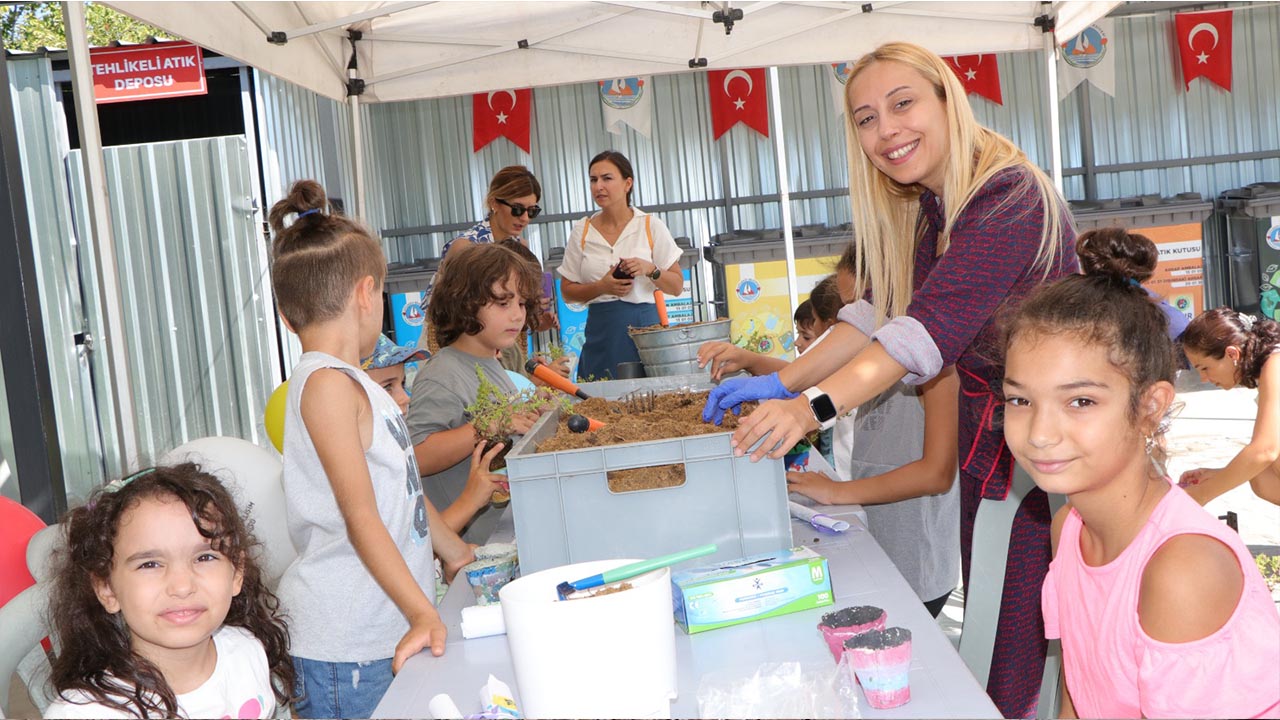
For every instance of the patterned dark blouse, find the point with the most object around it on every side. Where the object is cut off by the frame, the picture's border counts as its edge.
(958, 298)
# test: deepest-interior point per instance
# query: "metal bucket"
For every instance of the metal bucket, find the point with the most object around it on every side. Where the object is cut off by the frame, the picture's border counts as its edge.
(674, 350)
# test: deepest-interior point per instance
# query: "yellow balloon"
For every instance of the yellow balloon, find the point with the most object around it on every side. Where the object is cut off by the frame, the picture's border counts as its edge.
(273, 416)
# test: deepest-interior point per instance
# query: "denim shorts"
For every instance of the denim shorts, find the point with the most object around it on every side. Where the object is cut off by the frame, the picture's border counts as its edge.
(339, 689)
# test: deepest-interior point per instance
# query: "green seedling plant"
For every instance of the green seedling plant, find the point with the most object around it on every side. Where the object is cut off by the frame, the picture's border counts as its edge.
(493, 412)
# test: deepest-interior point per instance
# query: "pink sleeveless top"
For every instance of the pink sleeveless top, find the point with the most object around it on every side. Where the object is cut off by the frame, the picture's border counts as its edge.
(1115, 670)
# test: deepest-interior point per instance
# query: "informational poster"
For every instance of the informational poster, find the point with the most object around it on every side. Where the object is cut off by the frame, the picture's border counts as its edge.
(409, 316)
(760, 304)
(1179, 275)
(1267, 256)
(147, 72)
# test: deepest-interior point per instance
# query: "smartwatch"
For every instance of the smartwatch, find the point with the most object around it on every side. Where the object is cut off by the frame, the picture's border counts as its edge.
(822, 406)
(657, 273)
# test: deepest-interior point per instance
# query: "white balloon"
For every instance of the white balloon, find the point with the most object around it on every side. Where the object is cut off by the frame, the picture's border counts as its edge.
(253, 475)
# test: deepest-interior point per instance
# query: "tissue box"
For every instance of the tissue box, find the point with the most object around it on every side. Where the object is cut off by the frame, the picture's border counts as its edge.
(751, 588)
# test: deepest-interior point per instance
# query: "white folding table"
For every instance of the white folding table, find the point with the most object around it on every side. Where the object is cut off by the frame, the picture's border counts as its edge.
(861, 574)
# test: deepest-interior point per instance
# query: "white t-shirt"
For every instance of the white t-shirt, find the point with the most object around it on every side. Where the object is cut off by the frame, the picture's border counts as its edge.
(240, 686)
(585, 264)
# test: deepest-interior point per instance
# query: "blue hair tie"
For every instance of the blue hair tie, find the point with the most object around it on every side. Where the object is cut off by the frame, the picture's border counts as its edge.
(1134, 282)
(305, 213)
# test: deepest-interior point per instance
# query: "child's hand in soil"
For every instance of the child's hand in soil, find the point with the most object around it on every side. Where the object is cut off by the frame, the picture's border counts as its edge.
(814, 485)
(426, 630)
(725, 358)
(481, 482)
(522, 423)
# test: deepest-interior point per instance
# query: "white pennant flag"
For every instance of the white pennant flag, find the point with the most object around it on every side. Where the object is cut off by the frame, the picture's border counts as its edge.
(839, 76)
(1091, 56)
(627, 101)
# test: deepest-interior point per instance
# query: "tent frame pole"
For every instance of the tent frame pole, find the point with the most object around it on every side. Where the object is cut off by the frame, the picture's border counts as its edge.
(1055, 122)
(784, 187)
(100, 233)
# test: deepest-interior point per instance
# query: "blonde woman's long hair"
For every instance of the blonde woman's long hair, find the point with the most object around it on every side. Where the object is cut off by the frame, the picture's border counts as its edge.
(886, 213)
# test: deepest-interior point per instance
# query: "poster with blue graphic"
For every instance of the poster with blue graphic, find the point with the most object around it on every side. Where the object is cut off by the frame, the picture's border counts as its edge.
(409, 317)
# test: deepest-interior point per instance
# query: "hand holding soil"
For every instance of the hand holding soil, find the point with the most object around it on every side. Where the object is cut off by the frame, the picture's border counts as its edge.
(725, 358)
(482, 485)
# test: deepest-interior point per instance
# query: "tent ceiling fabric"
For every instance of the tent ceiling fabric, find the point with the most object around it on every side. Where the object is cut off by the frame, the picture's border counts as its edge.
(413, 50)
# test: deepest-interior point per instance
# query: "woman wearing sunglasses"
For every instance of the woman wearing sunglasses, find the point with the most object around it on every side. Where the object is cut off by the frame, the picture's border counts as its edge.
(614, 261)
(511, 203)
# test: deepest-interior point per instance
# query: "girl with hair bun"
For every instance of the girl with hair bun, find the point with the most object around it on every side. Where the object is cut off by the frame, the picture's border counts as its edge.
(1160, 607)
(1230, 349)
(1115, 249)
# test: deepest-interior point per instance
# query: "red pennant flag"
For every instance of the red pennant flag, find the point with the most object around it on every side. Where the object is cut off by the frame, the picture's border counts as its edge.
(980, 75)
(738, 96)
(501, 113)
(1204, 44)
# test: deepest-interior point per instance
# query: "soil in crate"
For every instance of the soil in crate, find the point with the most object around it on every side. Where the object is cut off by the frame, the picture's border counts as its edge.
(673, 415)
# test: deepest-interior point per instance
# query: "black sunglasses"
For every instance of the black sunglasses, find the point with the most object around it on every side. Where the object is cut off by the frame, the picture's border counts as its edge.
(517, 209)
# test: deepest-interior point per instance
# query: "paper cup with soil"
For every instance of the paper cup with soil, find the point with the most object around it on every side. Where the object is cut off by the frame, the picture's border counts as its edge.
(881, 659)
(840, 626)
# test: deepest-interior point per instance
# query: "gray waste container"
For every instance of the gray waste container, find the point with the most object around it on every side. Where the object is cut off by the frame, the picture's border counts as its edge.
(1251, 218)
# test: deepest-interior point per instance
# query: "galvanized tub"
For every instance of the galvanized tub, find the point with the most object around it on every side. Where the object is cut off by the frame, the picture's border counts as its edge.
(674, 350)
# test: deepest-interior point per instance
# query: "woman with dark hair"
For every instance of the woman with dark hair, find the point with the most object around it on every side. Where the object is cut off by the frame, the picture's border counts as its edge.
(1228, 349)
(613, 262)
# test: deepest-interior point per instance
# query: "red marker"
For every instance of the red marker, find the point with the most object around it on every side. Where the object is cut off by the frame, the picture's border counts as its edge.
(554, 379)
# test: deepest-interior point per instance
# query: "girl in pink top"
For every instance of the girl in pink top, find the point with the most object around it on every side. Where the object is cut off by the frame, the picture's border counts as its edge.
(1160, 608)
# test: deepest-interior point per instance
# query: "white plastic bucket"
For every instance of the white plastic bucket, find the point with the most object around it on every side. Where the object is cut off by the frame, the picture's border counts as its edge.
(611, 656)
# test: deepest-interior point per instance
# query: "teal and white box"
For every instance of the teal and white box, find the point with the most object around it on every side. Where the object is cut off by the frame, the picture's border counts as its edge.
(751, 588)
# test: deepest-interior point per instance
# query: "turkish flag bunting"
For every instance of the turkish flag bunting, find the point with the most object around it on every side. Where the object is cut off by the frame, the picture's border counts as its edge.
(501, 113)
(980, 75)
(738, 96)
(1204, 44)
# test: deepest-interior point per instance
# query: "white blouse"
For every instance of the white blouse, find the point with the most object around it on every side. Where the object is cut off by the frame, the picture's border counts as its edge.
(589, 261)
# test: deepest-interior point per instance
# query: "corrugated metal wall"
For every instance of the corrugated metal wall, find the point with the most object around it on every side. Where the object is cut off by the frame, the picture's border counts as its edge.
(197, 302)
(301, 135)
(1154, 118)
(42, 144)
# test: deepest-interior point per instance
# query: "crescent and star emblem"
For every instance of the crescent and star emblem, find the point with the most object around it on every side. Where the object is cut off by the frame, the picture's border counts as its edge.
(738, 103)
(502, 117)
(1203, 57)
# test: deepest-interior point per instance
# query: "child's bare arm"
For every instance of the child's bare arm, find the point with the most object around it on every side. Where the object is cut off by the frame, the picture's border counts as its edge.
(333, 410)
(1205, 484)
(930, 475)
(443, 449)
(475, 495)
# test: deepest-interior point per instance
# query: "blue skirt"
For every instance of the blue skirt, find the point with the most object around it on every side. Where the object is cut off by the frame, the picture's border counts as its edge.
(606, 340)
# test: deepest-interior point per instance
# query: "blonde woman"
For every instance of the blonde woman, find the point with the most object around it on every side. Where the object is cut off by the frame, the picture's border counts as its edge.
(951, 221)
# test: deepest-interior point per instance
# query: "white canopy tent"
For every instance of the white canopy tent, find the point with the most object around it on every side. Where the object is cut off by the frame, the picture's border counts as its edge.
(396, 51)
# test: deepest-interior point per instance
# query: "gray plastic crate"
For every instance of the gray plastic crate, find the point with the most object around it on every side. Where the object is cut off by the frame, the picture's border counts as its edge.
(565, 512)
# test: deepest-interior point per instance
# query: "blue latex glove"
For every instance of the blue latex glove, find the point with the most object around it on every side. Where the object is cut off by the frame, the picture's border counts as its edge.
(731, 393)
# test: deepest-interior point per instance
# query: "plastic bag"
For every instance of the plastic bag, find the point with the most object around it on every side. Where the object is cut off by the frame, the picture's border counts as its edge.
(781, 690)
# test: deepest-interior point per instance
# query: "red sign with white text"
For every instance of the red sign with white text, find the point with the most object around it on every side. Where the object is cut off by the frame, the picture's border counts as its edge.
(147, 72)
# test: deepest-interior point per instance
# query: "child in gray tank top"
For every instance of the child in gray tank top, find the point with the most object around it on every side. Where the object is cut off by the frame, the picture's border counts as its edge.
(478, 309)
(359, 594)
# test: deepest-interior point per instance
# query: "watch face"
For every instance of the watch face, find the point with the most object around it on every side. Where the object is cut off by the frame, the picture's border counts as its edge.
(823, 409)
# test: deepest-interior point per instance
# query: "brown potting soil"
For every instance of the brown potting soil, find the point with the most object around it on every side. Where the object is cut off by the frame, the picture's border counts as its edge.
(605, 590)
(672, 415)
